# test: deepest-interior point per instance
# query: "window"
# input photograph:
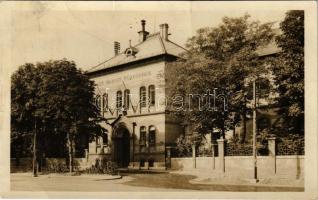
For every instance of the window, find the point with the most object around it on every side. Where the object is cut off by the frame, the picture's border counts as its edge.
(126, 98)
(152, 95)
(131, 51)
(151, 162)
(142, 162)
(143, 96)
(263, 88)
(119, 99)
(143, 136)
(152, 135)
(98, 102)
(105, 138)
(105, 102)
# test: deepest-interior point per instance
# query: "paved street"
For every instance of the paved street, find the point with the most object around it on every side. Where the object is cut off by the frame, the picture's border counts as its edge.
(138, 182)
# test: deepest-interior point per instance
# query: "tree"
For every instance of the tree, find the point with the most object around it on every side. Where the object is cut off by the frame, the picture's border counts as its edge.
(24, 96)
(222, 57)
(57, 97)
(288, 71)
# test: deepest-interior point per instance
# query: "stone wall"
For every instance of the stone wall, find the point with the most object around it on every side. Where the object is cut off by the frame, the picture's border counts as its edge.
(242, 166)
(25, 164)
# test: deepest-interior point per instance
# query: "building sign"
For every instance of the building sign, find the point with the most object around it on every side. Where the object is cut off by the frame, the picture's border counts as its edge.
(129, 77)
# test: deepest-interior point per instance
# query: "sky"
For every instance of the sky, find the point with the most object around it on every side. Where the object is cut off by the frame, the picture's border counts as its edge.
(86, 33)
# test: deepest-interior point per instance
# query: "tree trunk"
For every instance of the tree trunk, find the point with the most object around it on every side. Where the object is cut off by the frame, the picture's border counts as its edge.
(234, 134)
(70, 156)
(35, 165)
(223, 128)
(243, 133)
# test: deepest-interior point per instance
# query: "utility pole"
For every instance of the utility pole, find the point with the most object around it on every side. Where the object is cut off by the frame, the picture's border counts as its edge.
(254, 131)
(35, 165)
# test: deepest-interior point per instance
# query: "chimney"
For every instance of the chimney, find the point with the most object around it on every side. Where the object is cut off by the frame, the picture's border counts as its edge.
(143, 33)
(116, 48)
(164, 31)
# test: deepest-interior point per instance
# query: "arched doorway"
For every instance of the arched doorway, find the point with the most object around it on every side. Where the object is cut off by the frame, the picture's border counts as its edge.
(121, 147)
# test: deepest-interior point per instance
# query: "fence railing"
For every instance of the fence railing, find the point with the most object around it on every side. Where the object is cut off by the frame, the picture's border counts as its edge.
(278, 147)
(291, 147)
(234, 149)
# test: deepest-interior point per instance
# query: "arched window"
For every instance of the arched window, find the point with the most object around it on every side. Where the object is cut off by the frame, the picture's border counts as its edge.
(105, 138)
(143, 135)
(126, 98)
(119, 99)
(151, 95)
(152, 134)
(105, 102)
(98, 101)
(143, 97)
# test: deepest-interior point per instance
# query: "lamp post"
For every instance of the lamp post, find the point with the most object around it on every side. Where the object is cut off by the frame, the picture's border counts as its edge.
(254, 132)
(35, 163)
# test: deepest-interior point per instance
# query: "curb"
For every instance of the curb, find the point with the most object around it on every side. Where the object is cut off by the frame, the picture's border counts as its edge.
(193, 181)
(98, 177)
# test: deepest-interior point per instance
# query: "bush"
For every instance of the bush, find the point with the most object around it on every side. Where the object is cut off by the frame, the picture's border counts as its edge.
(102, 167)
(205, 150)
(184, 147)
(291, 145)
(54, 165)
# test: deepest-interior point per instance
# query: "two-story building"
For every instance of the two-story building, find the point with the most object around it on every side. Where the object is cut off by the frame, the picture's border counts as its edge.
(130, 93)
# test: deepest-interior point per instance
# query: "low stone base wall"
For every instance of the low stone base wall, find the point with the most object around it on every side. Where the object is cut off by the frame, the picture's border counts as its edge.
(156, 165)
(25, 164)
(242, 166)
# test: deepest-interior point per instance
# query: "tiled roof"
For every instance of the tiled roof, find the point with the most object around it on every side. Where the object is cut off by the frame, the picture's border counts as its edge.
(154, 45)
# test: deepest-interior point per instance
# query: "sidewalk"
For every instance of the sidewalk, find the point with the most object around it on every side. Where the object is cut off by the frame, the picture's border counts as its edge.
(216, 178)
(59, 175)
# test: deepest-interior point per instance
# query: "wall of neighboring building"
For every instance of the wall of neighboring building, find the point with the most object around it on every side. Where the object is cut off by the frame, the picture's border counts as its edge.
(267, 118)
(173, 130)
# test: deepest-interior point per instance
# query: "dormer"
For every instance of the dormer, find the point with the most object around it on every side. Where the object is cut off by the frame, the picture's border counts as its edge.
(131, 51)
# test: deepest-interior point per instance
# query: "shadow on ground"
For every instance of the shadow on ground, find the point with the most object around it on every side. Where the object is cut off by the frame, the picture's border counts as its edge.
(164, 179)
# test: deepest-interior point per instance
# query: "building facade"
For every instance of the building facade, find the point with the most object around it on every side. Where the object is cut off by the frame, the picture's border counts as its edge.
(130, 94)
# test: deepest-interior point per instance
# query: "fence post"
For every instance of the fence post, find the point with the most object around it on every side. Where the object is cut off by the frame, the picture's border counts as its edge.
(221, 151)
(86, 154)
(213, 155)
(168, 157)
(194, 165)
(272, 152)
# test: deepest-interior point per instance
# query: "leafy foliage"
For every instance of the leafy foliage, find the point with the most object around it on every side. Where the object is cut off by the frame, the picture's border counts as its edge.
(102, 166)
(56, 166)
(58, 98)
(184, 144)
(225, 58)
(288, 70)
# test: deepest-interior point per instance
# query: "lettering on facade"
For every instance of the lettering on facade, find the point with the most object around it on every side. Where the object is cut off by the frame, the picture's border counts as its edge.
(125, 78)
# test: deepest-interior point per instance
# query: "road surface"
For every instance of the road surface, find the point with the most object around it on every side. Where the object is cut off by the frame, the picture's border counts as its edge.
(137, 182)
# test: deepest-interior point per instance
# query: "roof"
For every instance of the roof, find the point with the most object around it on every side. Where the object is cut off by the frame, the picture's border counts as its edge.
(153, 46)
(270, 48)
